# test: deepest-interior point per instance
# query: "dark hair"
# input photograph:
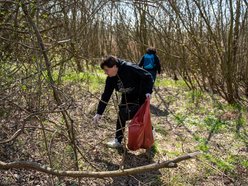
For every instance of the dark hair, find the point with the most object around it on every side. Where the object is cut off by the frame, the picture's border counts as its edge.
(151, 50)
(109, 62)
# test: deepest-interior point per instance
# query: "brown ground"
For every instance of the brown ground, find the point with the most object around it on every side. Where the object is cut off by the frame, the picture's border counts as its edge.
(179, 122)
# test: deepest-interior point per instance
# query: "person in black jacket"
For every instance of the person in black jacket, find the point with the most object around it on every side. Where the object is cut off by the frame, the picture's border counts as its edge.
(150, 62)
(133, 82)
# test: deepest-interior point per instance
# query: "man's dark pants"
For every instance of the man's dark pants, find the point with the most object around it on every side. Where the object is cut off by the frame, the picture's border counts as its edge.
(126, 112)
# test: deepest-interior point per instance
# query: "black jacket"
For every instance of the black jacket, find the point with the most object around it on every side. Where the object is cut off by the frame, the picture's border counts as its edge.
(133, 81)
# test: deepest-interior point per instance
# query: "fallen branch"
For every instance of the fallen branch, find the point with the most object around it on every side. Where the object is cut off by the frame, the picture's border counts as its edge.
(15, 135)
(80, 174)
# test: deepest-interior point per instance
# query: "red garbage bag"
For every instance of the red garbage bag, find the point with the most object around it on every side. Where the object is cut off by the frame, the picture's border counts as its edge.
(140, 129)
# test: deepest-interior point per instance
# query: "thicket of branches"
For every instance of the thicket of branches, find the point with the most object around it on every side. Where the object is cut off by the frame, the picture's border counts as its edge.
(202, 42)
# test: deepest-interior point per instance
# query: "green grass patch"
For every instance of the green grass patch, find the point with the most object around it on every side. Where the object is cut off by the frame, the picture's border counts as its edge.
(93, 80)
(172, 154)
(170, 83)
(202, 145)
(154, 148)
(222, 164)
(214, 124)
(244, 163)
(161, 129)
(180, 118)
(195, 95)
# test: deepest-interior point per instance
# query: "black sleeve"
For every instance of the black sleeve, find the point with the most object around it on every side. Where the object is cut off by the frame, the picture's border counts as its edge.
(141, 63)
(108, 90)
(158, 65)
(144, 76)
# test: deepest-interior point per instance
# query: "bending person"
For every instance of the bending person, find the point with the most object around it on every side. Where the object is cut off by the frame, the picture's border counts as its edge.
(133, 82)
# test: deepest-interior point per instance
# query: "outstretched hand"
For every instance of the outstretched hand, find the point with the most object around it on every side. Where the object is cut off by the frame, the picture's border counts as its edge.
(148, 95)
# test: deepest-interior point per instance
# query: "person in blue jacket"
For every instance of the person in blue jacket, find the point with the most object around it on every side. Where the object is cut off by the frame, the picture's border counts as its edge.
(133, 82)
(150, 62)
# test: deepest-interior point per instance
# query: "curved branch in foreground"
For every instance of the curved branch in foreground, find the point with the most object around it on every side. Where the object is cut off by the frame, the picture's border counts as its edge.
(15, 135)
(80, 174)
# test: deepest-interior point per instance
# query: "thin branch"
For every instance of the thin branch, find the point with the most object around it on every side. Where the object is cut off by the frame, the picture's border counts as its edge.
(15, 135)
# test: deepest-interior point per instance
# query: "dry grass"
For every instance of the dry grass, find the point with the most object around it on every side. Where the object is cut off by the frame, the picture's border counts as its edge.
(182, 126)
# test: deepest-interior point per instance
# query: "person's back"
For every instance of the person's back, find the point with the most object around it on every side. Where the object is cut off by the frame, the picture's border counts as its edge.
(150, 62)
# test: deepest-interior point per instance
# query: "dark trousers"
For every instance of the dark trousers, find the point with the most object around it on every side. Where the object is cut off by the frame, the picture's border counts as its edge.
(125, 113)
(154, 74)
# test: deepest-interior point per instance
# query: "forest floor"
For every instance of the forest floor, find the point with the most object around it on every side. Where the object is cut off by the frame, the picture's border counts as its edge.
(185, 121)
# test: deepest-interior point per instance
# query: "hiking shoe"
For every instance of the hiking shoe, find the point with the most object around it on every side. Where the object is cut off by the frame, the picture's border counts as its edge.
(114, 144)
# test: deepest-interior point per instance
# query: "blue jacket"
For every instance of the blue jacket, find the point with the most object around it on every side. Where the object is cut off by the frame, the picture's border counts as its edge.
(157, 66)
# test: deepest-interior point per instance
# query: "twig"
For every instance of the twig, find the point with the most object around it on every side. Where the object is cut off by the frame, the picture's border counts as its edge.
(15, 135)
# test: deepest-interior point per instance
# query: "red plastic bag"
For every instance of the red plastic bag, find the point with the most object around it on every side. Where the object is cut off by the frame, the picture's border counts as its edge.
(140, 129)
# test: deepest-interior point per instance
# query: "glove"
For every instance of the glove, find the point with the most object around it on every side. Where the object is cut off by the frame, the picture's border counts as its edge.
(148, 95)
(96, 118)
